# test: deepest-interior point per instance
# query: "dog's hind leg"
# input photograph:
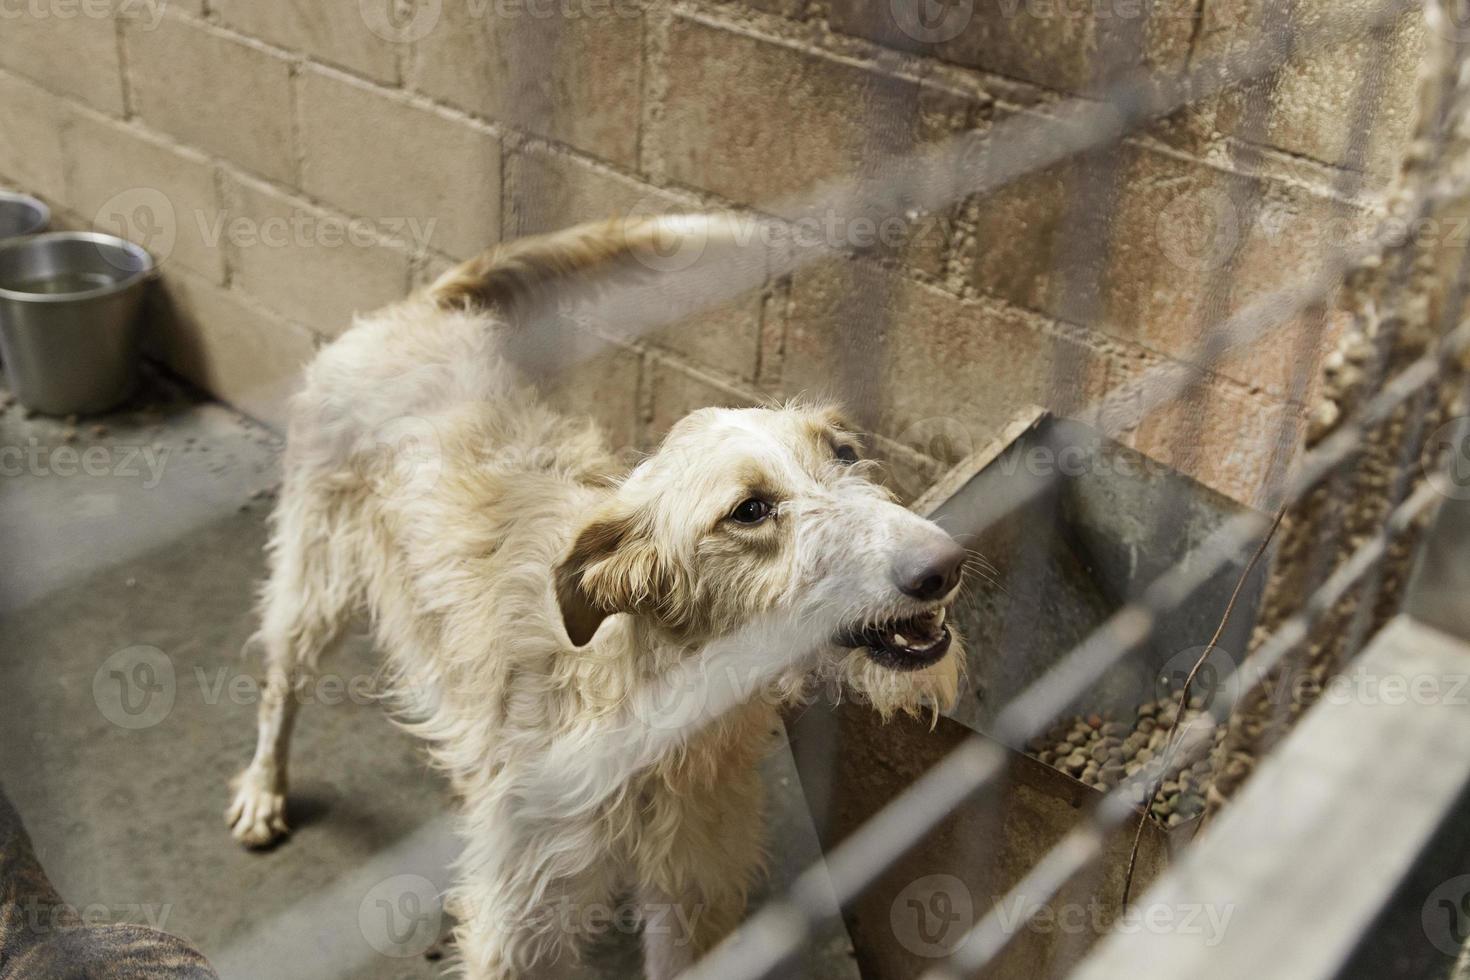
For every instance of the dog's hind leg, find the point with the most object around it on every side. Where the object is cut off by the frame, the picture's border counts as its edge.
(306, 601)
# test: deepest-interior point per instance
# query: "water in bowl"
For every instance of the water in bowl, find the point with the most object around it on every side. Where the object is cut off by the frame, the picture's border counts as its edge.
(60, 283)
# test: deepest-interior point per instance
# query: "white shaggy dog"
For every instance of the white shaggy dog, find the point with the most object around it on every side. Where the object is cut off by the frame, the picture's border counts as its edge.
(595, 659)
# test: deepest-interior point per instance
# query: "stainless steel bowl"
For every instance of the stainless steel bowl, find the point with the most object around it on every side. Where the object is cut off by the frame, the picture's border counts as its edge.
(69, 319)
(21, 214)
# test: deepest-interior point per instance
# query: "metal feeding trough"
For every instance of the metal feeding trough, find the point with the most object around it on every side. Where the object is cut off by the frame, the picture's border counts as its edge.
(1075, 526)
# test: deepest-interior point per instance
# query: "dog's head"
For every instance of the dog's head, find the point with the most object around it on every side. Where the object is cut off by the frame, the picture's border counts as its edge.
(744, 513)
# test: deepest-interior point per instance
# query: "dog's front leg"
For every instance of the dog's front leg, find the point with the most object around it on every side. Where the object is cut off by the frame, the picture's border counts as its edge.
(513, 913)
(695, 894)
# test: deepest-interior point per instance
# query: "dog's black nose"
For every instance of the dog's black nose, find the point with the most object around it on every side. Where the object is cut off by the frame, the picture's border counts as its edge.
(929, 572)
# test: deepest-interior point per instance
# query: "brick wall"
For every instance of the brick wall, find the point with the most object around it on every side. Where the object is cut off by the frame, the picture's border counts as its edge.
(295, 160)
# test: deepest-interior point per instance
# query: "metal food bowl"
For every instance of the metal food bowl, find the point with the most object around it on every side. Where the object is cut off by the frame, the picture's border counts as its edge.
(22, 215)
(69, 319)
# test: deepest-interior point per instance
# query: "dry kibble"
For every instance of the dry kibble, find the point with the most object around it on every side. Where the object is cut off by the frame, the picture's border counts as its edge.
(1104, 753)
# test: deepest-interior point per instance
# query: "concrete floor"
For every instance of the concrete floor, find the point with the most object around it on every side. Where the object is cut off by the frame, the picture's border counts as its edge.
(125, 592)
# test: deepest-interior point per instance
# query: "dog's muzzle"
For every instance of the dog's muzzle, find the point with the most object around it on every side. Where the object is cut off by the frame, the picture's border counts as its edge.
(911, 643)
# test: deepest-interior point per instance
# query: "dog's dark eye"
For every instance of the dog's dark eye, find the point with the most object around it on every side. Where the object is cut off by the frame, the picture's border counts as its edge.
(751, 511)
(846, 454)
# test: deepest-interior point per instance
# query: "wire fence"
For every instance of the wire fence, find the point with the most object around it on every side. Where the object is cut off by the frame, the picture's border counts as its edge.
(1413, 371)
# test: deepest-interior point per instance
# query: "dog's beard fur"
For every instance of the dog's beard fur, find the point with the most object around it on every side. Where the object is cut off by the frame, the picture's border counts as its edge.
(928, 692)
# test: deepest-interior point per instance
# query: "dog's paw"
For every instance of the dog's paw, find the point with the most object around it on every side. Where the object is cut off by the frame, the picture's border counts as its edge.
(257, 814)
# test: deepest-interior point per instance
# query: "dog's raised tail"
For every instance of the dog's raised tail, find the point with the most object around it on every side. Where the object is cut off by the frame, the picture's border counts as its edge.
(595, 256)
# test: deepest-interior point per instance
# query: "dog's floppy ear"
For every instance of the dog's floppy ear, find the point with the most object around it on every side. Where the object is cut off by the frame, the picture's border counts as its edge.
(612, 567)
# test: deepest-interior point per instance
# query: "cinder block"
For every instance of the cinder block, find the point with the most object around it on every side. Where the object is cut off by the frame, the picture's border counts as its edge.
(728, 129)
(1348, 104)
(312, 266)
(1182, 247)
(729, 126)
(382, 158)
(74, 55)
(128, 183)
(336, 33)
(781, 8)
(547, 191)
(1222, 436)
(574, 79)
(924, 367)
(221, 95)
(236, 351)
(31, 154)
(1059, 44)
(677, 390)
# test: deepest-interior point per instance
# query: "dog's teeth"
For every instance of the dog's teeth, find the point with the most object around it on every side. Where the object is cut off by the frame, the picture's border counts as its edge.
(939, 618)
(899, 640)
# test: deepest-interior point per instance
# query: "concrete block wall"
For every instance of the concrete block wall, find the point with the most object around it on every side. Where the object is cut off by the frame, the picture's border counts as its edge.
(293, 161)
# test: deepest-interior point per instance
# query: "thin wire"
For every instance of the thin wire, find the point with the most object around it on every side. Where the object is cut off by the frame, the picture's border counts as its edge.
(1174, 744)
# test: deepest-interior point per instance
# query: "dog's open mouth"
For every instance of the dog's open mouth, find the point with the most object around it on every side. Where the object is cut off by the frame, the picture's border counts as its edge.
(911, 643)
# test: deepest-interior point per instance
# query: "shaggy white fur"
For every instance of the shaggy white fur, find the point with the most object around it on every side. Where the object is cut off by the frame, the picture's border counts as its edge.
(596, 658)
